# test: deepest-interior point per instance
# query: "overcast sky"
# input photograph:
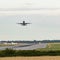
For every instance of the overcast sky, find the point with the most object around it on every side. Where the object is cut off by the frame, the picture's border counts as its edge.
(29, 3)
(44, 16)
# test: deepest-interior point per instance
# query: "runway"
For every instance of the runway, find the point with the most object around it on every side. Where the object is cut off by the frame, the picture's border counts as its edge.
(25, 47)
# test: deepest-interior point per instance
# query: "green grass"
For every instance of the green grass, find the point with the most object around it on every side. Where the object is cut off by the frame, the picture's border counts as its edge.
(51, 46)
(6, 45)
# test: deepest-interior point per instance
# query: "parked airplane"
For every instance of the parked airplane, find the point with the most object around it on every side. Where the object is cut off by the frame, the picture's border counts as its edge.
(23, 23)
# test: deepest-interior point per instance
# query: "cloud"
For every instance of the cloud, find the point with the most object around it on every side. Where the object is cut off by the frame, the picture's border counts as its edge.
(42, 11)
(29, 4)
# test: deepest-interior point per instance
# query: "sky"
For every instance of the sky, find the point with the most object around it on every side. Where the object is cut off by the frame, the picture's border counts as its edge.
(44, 16)
(29, 3)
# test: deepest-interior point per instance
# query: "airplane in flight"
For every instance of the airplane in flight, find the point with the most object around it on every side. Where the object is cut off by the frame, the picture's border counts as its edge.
(23, 23)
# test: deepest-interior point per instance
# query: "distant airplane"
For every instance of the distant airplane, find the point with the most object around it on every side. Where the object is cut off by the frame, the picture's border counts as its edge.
(23, 23)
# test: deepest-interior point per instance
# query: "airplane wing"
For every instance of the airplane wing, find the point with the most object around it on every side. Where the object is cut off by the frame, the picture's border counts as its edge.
(19, 23)
(27, 23)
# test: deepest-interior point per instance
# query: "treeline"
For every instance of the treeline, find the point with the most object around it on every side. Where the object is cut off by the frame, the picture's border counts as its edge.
(10, 52)
(50, 41)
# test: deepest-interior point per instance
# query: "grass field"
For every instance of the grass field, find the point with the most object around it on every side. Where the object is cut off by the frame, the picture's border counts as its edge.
(32, 58)
(51, 46)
